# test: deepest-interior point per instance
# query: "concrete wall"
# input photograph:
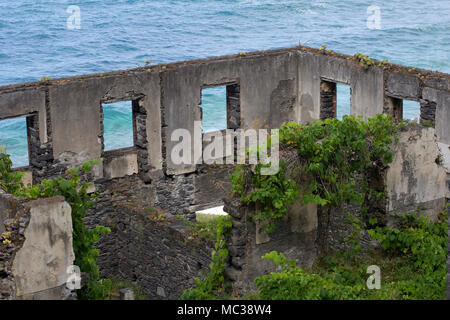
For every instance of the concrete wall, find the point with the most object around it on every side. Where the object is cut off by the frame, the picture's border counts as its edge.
(34, 265)
(65, 125)
(64, 119)
(367, 89)
(416, 179)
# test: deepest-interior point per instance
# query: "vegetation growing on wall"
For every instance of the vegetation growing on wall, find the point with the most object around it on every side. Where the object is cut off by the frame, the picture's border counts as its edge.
(74, 188)
(336, 155)
(412, 259)
(271, 194)
(213, 285)
(364, 60)
(412, 263)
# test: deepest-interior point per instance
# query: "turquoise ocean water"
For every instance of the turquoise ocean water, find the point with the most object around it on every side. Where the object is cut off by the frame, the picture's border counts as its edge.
(118, 34)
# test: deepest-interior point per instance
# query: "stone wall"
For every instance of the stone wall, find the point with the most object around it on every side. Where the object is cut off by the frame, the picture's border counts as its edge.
(34, 265)
(264, 89)
(150, 248)
(296, 234)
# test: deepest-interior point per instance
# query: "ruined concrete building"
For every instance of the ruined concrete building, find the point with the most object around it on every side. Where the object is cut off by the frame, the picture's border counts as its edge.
(65, 128)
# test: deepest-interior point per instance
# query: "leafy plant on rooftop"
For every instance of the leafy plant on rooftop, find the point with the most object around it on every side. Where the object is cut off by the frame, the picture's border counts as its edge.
(364, 60)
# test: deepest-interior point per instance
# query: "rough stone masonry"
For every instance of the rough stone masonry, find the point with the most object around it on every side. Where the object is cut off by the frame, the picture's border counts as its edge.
(264, 89)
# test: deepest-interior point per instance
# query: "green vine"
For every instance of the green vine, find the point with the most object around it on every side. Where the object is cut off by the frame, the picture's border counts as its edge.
(271, 194)
(294, 283)
(412, 260)
(418, 237)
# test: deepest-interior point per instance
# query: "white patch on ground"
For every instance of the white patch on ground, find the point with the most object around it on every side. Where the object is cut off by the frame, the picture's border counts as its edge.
(215, 211)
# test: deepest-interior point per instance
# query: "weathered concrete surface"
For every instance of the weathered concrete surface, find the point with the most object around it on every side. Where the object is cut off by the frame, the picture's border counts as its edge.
(414, 179)
(16, 103)
(22, 103)
(303, 217)
(367, 93)
(64, 118)
(41, 264)
(76, 111)
(442, 100)
(445, 151)
(403, 86)
(268, 94)
(367, 87)
(267, 88)
(308, 89)
(33, 264)
(122, 166)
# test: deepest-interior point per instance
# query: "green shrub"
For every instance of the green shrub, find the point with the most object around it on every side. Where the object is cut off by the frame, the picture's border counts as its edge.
(419, 237)
(413, 266)
(425, 244)
(10, 181)
(271, 193)
(294, 283)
